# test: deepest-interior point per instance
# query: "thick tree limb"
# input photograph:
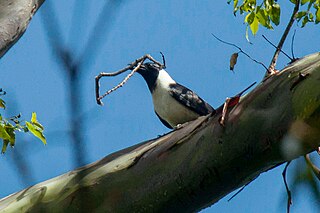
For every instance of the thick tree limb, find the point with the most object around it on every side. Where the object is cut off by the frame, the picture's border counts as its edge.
(196, 165)
(15, 16)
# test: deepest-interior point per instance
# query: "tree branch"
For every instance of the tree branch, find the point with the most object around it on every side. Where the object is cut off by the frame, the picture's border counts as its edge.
(196, 165)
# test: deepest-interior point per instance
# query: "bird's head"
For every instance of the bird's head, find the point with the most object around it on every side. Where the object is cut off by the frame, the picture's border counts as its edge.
(150, 72)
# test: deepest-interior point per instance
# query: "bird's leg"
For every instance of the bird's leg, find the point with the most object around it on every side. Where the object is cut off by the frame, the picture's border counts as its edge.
(224, 111)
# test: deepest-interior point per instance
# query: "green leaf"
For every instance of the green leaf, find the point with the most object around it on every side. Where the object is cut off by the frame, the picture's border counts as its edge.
(36, 128)
(304, 1)
(275, 14)
(310, 4)
(235, 3)
(318, 15)
(249, 18)
(293, 1)
(36, 132)
(247, 34)
(10, 130)
(4, 146)
(2, 104)
(254, 26)
(300, 15)
(263, 18)
(3, 132)
(35, 121)
(305, 20)
(311, 17)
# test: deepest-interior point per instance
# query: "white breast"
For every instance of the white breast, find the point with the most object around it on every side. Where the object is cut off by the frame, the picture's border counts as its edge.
(168, 108)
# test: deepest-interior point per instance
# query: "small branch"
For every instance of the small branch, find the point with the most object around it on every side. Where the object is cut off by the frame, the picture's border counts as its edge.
(272, 65)
(240, 50)
(134, 66)
(292, 41)
(163, 60)
(284, 172)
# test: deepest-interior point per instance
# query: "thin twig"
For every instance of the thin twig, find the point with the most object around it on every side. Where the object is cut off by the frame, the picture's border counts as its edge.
(240, 50)
(284, 172)
(134, 66)
(163, 60)
(276, 47)
(292, 41)
(271, 69)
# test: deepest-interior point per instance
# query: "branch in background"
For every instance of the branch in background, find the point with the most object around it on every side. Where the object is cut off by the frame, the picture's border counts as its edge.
(272, 66)
(99, 33)
(240, 50)
(14, 20)
(65, 58)
(73, 69)
(134, 66)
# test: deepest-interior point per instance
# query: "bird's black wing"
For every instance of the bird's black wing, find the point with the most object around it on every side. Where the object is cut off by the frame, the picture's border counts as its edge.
(190, 99)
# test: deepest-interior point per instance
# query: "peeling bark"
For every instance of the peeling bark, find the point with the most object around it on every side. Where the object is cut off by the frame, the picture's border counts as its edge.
(15, 16)
(198, 164)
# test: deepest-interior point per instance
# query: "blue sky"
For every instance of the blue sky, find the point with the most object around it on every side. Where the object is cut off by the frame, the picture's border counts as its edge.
(181, 30)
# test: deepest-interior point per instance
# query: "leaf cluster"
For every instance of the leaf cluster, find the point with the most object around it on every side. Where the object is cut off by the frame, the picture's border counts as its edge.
(311, 13)
(9, 127)
(267, 13)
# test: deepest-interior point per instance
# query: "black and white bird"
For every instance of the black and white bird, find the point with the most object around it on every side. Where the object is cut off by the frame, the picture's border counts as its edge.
(173, 103)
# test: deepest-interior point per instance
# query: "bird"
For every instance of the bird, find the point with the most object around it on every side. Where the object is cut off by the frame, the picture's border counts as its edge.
(174, 104)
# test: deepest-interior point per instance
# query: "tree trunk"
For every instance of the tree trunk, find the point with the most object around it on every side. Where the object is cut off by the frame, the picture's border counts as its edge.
(15, 16)
(201, 162)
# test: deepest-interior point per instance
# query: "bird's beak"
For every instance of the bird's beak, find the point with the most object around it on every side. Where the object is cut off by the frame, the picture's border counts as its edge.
(142, 69)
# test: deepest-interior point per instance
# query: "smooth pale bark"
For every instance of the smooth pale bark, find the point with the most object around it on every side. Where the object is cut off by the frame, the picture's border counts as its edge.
(196, 165)
(15, 16)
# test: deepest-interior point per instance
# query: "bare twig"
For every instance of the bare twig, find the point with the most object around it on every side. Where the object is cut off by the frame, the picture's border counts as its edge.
(271, 69)
(134, 66)
(240, 51)
(284, 173)
(291, 59)
(163, 60)
(292, 41)
(314, 168)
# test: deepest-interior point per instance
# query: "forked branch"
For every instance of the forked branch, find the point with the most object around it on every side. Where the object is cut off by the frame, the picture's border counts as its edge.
(273, 63)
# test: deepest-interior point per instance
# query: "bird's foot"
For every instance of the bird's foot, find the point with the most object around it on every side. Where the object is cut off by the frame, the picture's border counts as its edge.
(179, 126)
